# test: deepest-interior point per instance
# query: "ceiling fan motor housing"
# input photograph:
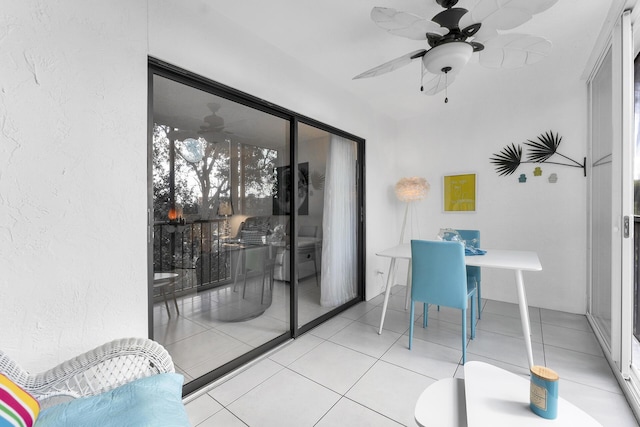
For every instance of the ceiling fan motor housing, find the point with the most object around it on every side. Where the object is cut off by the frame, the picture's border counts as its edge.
(447, 57)
(447, 3)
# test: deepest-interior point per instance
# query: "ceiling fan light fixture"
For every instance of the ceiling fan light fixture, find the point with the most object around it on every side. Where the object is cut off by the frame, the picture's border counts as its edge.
(447, 57)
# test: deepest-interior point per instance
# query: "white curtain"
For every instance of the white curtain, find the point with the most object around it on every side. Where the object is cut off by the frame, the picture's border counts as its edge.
(339, 245)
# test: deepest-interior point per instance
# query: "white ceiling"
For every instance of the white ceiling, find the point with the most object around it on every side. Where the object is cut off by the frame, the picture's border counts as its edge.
(337, 40)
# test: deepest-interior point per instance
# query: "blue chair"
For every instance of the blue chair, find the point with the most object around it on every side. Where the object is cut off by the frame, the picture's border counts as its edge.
(472, 237)
(438, 276)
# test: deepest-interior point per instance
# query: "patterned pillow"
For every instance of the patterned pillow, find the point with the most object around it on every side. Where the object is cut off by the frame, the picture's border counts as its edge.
(17, 407)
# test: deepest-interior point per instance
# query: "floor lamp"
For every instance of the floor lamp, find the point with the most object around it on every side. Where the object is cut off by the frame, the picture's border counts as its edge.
(410, 190)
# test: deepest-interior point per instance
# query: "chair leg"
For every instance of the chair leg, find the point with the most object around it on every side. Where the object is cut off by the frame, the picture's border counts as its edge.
(479, 299)
(411, 313)
(175, 302)
(473, 317)
(464, 336)
(425, 314)
(166, 304)
(244, 285)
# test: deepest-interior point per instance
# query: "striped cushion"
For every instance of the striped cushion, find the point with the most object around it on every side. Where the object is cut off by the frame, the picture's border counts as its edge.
(17, 407)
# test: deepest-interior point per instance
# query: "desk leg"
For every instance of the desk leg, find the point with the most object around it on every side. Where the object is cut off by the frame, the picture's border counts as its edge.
(387, 291)
(524, 315)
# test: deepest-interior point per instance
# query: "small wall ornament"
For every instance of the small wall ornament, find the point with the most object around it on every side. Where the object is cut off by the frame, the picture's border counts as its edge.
(508, 160)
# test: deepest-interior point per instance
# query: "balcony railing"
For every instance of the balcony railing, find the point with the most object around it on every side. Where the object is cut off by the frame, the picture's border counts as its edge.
(194, 250)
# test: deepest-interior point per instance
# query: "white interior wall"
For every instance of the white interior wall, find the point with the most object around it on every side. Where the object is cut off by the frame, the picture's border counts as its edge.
(73, 177)
(73, 156)
(462, 136)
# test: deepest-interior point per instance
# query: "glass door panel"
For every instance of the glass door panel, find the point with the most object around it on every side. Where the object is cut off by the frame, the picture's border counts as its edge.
(601, 200)
(215, 235)
(327, 223)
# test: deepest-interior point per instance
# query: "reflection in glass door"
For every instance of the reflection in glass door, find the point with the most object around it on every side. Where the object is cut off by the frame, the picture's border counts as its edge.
(215, 238)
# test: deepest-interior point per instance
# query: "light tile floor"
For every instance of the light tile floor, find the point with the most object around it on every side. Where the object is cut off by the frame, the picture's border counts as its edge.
(343, 373)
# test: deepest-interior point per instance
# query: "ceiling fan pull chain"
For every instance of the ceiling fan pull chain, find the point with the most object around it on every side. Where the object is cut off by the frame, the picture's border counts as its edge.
(421, 77)
(446, 84)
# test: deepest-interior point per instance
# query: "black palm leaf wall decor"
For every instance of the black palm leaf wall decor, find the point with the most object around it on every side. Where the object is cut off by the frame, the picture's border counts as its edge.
(507, 161)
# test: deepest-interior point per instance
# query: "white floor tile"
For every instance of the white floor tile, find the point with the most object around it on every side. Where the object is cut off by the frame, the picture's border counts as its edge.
(222, 418)
(504, 348)
(440, 332)
(510, 309)
(426, 358)
(296, 349)
(567, 320)
(202, 408)
(581, 368)
(610, 409)
(571, 339)
(394, 320)
(506, 325)
(330, 327)
(365, 339)
(349, 413)
(392, 390)
(358, 310)
(284, 400)
(231, 390)
(334, 366)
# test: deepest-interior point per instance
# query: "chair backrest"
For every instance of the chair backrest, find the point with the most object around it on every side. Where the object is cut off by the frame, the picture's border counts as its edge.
(438, 273)
(472, 238)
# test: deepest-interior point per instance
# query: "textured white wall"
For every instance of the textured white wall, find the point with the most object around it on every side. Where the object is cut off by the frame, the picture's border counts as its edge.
(547, 218)
(73, 108)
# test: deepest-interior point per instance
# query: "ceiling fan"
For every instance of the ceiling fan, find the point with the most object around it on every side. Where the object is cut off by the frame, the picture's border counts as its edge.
(455, 34)
(215, 128)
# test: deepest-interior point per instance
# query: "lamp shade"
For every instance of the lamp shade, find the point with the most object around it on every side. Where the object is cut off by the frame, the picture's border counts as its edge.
(412, 188)
(447, 57)
(225, 209)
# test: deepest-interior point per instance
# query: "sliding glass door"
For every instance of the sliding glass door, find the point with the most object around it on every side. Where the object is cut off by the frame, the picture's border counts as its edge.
(327, 225)
(601, 197)
(245, 253)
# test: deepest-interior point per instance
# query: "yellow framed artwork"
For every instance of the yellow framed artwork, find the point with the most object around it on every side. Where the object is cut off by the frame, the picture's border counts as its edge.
(459, 192)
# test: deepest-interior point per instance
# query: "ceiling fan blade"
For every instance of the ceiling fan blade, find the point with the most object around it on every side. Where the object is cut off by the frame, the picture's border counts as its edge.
(504, 14)
(405, 24)
(392, 65)
(513, 51)
(434, 83)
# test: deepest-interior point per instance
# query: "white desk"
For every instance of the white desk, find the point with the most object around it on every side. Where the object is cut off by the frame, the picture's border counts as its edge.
(518, 261)
(489, 396)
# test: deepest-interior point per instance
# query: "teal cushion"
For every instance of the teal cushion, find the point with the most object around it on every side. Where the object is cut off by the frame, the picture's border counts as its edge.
(151, 401)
